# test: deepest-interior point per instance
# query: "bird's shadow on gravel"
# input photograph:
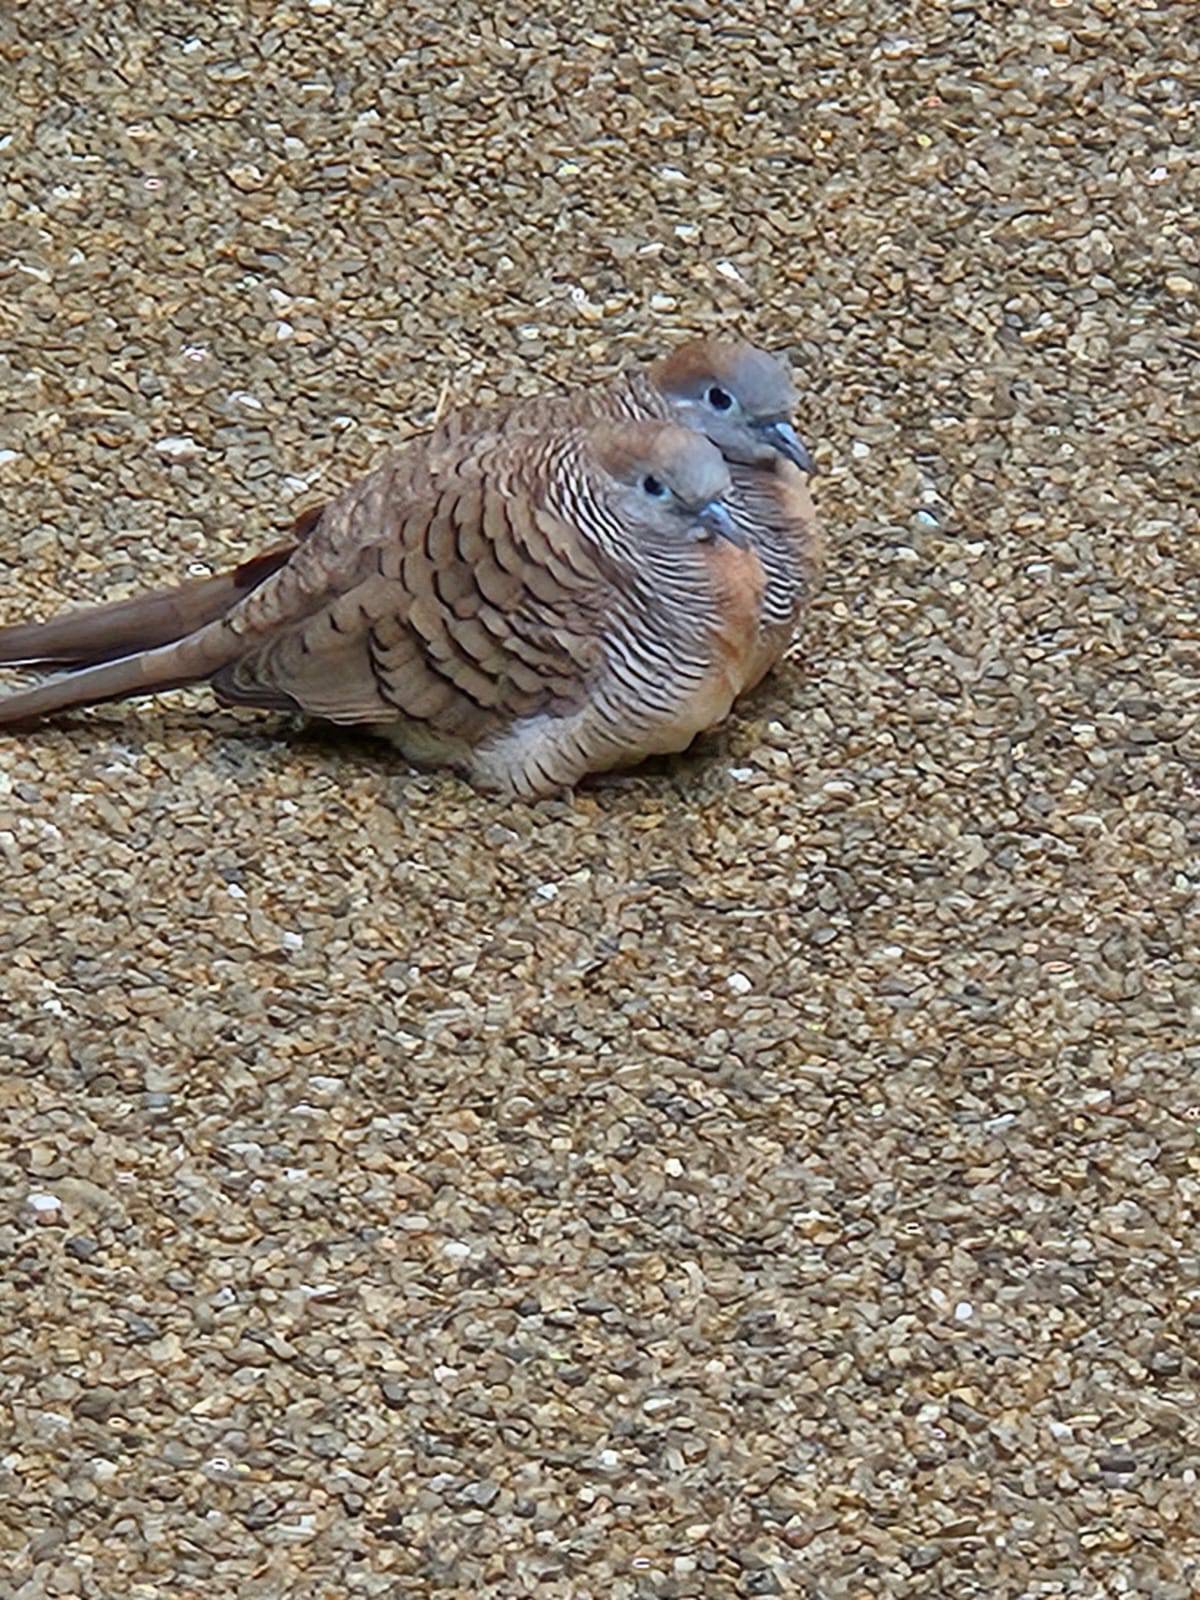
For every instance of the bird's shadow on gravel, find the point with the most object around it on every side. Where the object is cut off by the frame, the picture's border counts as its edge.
(237, 742)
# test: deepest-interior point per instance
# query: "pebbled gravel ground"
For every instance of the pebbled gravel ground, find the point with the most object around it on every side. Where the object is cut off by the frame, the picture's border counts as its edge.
(776, 1173)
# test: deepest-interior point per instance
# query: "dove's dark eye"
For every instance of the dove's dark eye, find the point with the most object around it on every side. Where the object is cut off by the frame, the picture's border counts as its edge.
(653, 486)
(719, 399)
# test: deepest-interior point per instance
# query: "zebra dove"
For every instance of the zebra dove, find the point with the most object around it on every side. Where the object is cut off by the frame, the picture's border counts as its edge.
(736, 395)
(529, 612)
(740, 397)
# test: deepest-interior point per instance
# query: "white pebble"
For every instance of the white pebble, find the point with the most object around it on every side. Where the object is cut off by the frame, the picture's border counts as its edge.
(739, 983)
(964, 1311)
(44, 1204)
(180, 447)
(303, 1528)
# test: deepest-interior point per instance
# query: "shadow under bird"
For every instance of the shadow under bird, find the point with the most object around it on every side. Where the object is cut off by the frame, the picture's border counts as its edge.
(527, 593)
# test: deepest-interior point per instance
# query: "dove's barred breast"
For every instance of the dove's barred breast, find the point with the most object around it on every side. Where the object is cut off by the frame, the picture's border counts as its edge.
(659, 687)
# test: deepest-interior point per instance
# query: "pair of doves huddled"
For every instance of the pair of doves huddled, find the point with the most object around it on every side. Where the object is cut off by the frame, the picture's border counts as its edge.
(527, 593)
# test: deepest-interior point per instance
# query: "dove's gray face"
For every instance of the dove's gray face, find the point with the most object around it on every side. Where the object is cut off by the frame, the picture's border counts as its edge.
(739, 397)
(663, 480)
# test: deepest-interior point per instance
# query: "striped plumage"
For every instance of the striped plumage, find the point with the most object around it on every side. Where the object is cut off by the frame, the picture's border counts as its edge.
(769, 499)
(536, 608)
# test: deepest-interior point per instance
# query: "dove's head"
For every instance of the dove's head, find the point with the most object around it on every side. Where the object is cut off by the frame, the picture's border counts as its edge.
(740, 397)
(662, 480)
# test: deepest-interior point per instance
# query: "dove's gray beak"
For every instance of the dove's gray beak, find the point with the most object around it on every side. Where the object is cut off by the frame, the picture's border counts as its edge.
(713, 521)
(788, 442)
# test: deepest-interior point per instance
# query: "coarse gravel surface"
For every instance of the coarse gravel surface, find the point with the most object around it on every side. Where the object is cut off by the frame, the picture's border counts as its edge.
(772, 1173)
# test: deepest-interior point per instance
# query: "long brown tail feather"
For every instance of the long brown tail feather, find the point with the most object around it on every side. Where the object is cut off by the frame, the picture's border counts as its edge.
(170, 666)
(145, 622)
